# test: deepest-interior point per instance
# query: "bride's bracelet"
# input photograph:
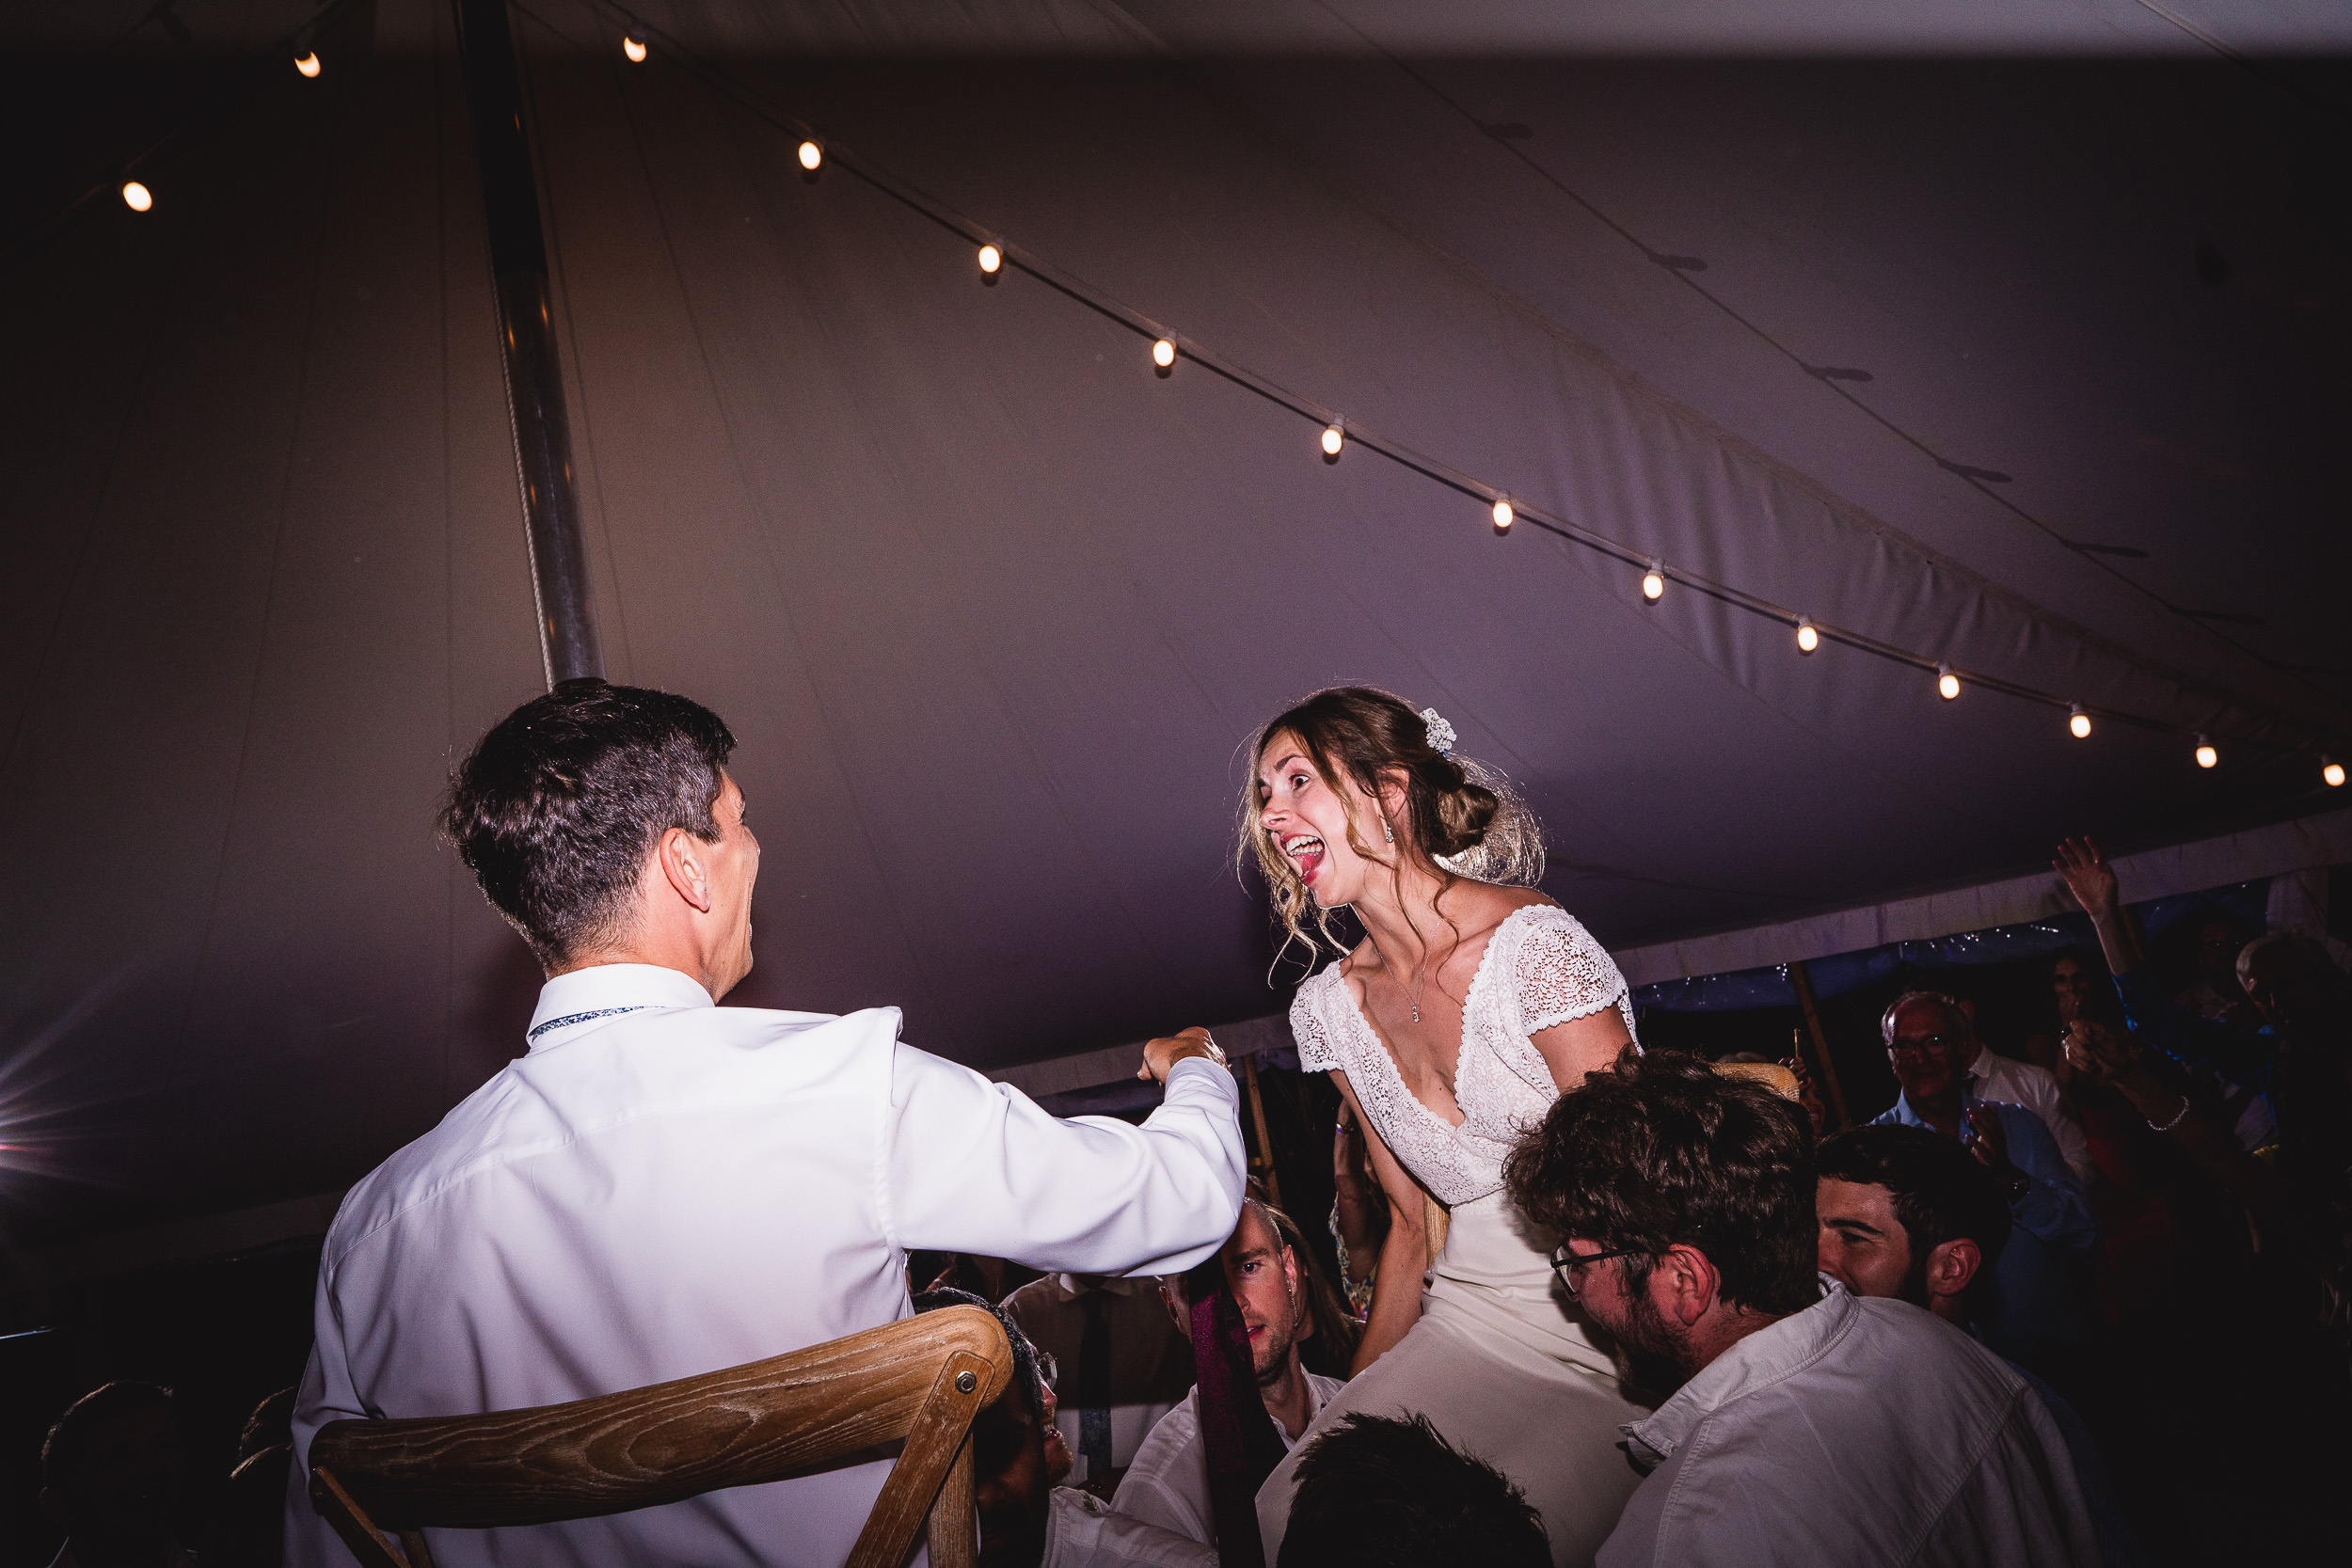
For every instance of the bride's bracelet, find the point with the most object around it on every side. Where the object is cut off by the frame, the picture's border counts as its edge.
(2177, 1117)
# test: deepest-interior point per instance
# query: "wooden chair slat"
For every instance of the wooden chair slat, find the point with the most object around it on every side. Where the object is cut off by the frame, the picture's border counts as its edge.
(740, 1427)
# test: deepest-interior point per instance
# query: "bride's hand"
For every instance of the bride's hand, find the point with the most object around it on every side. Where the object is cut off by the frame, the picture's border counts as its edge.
(1161, 1055)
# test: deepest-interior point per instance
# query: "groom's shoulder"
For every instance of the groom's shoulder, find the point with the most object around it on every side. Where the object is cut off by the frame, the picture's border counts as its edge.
(674, 1063)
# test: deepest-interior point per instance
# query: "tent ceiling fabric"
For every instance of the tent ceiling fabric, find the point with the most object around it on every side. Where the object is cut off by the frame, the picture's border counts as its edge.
(991, 605)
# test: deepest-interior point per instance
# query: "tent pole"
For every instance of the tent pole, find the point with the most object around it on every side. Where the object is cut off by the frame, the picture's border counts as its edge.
(534, 378)
(1804, 983)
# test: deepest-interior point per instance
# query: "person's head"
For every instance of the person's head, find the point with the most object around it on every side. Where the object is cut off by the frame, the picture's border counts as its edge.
(1018, 1456)
(112, 1470)
(1697, 1186)
(601, 820)
(1329, 1329)
(1266, 1277)
(2291, 979)
(1384, 1492)
(1346, 793)
(1929, 1042)
(2218, 944)
(1909, 1215)
(2070, 979)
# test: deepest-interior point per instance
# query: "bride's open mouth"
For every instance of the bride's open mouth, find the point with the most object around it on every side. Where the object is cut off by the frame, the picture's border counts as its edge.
(1306, 853)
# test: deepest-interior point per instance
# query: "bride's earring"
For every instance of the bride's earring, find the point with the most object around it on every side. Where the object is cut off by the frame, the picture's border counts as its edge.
(1388, 834)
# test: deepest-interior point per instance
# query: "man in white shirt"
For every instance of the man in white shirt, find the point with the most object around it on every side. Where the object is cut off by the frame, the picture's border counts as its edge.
(663, 1187)
(1169, 1483)
(1804, 1425)
(1992, 1076)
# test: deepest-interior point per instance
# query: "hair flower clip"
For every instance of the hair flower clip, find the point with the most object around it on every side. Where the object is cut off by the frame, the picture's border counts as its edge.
(1441, 732)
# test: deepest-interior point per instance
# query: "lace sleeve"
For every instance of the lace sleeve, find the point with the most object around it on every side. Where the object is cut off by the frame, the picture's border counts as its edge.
(1559, 972)
(1317, 1051)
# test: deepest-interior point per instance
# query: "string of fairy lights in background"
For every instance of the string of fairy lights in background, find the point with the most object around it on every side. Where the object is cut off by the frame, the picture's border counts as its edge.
(994, 253)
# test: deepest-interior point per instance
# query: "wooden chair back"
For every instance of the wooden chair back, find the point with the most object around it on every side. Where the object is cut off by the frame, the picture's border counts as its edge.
(920, 1379)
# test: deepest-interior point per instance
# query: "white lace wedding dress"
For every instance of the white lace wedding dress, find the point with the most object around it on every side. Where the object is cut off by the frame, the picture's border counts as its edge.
(1496, 1361)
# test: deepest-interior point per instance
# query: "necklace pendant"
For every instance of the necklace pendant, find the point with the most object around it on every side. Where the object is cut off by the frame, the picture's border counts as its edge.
(1416, 1015)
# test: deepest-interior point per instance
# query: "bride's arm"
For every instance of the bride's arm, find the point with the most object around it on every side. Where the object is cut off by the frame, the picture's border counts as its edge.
(1582, 1045)
(1403, 1255)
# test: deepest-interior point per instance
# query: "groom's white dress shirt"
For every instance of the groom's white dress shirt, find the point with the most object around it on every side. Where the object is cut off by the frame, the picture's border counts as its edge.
(662, 1187)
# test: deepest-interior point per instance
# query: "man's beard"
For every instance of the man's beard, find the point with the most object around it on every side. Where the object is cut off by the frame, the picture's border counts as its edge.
(1653, 1354)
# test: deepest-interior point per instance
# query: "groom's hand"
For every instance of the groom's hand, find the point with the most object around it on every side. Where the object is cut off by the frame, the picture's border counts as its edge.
(1163, 1054)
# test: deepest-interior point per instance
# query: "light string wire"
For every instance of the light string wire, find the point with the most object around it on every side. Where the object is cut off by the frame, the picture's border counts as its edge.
(1148, 327)
(1103, 303)
(230, 94)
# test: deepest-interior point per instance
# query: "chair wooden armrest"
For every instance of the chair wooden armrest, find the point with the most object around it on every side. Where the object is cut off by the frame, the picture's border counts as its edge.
(921, 1380)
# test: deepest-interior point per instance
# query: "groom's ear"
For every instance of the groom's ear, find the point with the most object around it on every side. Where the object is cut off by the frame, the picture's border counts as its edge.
(686, 866)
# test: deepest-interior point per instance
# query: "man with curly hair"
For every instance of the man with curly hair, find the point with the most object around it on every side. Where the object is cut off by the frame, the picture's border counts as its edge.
(1801, 1423)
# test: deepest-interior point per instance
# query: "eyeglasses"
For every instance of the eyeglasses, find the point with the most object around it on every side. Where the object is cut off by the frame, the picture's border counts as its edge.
(1936, 1045)
(1565, 1263)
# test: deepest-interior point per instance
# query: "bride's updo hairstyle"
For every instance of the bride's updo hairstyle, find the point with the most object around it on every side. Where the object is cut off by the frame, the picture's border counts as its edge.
(1461, 818)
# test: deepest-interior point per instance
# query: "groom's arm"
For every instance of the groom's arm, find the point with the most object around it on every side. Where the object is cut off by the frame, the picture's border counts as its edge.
(975, 1166)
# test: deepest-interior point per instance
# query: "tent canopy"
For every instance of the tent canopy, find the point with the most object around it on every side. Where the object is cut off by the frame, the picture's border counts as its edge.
(2012, 336)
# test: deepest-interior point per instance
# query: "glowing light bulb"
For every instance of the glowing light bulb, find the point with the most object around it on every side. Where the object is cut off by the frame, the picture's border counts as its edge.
(136, 197)
(2080, 722)
(1946, 684)
(2206, 755)
(634, 47)
(308, 62)
(1502, 516)
(811, 155)
(1163, 353)
(2332, 771)
(1334, 437)
(1808, 638)
(1654, 582)
(990, 258)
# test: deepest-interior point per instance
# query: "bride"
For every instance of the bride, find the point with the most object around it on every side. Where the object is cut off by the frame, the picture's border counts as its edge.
(1471, 1005)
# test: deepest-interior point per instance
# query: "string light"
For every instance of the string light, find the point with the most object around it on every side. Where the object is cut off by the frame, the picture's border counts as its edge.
(1502, 516)
(634, 47)
(308, 62)
(1163, 353)
(136, 197)
(1807, 638)
(1334, 437)
(811, 155)
(2078, 722)
(991, 259)
(1946, 684)
(1654, 582)
(2206, 755)
(2332, 771)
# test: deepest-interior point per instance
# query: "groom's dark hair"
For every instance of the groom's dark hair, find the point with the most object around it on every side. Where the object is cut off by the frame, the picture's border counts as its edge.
(557, 808)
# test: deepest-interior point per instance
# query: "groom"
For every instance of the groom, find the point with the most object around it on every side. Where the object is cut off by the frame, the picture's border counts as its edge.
(662, 1186)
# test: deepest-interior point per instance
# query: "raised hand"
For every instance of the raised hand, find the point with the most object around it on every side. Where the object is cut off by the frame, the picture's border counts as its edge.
(2099, 1052)
(2089, 876)
(1161, 1055)
(1807, 1095)
(1987, 1140)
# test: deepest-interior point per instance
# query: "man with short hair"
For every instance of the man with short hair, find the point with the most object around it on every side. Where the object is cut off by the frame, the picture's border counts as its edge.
(113, 1477)
(2035, 1312)
(1169, 1483)
(1391, 1491)
(1801, 1424)
(662, 1186)
(1991, 1076)
(1907, 1216)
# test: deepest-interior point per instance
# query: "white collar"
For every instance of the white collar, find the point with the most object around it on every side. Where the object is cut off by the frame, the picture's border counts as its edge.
(1118, 1285)
(570, 1003)
(1771, 1354)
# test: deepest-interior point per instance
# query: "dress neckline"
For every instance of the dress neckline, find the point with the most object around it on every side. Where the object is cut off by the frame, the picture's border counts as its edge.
(1461, 1046)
